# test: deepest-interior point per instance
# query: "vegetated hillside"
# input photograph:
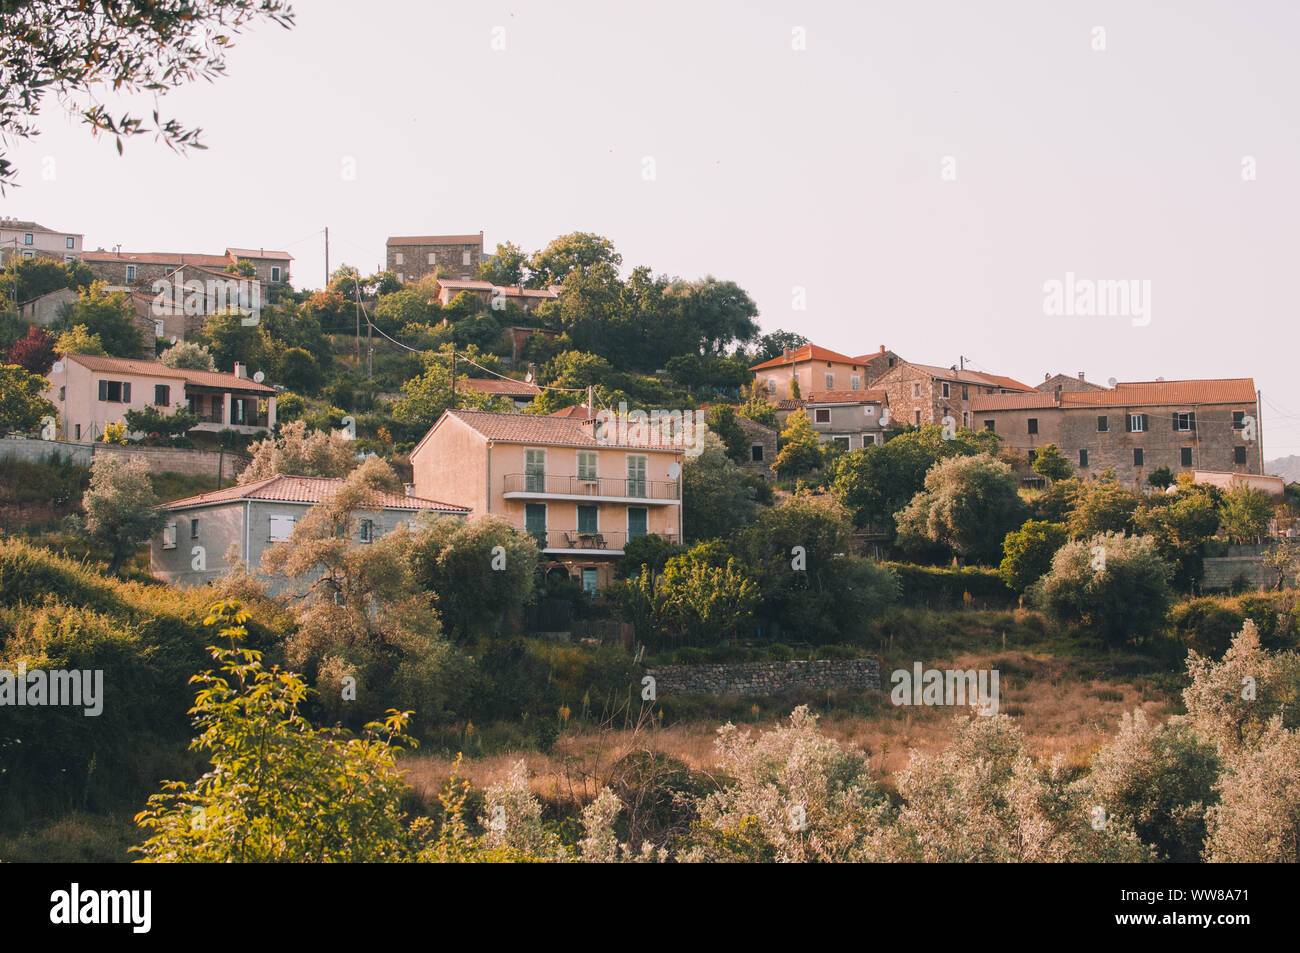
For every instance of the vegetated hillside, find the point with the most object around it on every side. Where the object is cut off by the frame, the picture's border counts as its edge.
(1288, 468)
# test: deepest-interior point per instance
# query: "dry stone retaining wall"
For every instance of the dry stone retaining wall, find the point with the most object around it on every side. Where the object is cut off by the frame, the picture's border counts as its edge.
(765, 678)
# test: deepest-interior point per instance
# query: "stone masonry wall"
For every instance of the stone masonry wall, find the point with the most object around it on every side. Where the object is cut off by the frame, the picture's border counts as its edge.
(765, 678)
(159, 459)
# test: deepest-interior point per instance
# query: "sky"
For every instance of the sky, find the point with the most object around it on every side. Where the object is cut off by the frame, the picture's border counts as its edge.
(910, 175)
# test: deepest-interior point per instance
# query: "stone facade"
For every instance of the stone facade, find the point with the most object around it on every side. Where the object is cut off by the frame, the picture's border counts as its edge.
(413, 258)
(852, 419)
(226, 466)
(766, 678)
(876, 366)
(1065, 384)
(762, 447)
(921, 394)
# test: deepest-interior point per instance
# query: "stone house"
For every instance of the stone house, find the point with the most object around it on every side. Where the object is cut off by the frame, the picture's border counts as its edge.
(519, 393)
(582, 487)
(526, 299)
(33, 240)
(815, 368)
(44, 309)
(270, 267)
(1136, 427)
(413, 257)
(142, 269)
(920, 394)
(876, 365)
(90, 392)
(762, 447)
(1064, 383)
(191, 549)
(853, 419)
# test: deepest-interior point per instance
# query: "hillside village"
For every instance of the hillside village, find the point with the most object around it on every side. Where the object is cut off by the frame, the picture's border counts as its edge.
(507, 491)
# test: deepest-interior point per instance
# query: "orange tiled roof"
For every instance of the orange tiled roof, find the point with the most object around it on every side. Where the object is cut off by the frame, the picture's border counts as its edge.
(967, 377)
(126, 365)
(259, 253)
(538, 430)
(809, 352)
(1238, 390)
(501, 386)
(576, 412)
(156, 258)
(467, 284)
(833, 397)
(296, 489)
(436, 239)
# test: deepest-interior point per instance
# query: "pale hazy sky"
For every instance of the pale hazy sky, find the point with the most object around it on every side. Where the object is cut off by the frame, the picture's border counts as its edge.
(775, 167)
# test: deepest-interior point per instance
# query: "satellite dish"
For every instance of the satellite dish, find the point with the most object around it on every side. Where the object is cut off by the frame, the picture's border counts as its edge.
(173, 339)
(1112, 382)
(57, 368)
(259, 377)
(674, 471)
(528, 377)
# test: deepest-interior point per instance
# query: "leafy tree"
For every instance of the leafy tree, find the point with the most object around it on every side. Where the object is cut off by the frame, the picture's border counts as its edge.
(27, 278)
(721, 419)
(1257, 819)
(969, 505)
(425, 398)
(481, 572)
(242, 267)
(1051, 463)
(279, 789)
(231, 341)
(21, 403)
(121, 508)
(757, 409)
(1028, 552)
(650, 550)
(299, 370)
(1245, 512)
(877, 481)
(405, 307)
(1161, 477)
(151, 421)
(1179, 525)
(719, 312)
(1115, 586)
(640, 602)
(776, 343)
(70, 50)
(1102, 506)
(800, 451)
(33, 352)
(79, 340)
(107, 315)
(716, 494)
(577, 251)
(188, 355)
(707, 601)
(504, 267)
(296, 451)
(1283, 559)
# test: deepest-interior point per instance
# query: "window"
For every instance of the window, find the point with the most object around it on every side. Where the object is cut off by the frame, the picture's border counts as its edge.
(756, 453)
(586, 464)
(636, 467)
(275, 272)
(822, 415)
(1137, 423)
(433, 258)
(1033, 425)
(69, 243)
(280, 528)
(69, 259)
(194, 528)
(1033, 455)
(965, 392)
(830, 380)
(1238, 454)
(466, 257)
(589, 575)
(535, 470)
(401, 278)
(918, 417)
(78, 431)
(946, 391)
(1137, 456)
(587, 521)
(1083, 458)
(162, 395)
(916, 390)
(1103, 423)
(169, 536)
(868, 440)
(367, 530)
(965, 419)
(130, 272)
(398, 260)
(842, 441)
(27, 254)
(771, 385)
(159, 330)
(855, 382)
(990, 425)
(637, 524)
(1184, 421)
(535, 521)
(1238, 419)
(1187, 456)
(115, 392)
(27, 239)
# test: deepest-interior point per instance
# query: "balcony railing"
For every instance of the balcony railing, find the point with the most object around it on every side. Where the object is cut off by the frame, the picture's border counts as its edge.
(602, 542)
(547, 485)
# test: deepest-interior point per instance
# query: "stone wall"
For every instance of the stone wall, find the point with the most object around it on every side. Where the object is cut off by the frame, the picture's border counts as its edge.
(159, 459)
(766, 678)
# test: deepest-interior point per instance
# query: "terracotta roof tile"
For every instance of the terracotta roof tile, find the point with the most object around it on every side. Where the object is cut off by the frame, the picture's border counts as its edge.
(258, 253)
(809, 352)
(534, 429)
(296, 489)
(967, 377)
(1240, 390)
(497, 385)
(124, 365)
(436, 239)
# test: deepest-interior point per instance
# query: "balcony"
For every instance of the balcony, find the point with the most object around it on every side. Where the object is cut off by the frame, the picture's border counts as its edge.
(537, 486)
(570, 542)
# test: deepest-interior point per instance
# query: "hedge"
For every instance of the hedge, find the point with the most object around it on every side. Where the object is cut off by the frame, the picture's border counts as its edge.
(942, 586)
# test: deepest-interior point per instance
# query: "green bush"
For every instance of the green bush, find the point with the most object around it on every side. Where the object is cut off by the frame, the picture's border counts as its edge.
(939, 586)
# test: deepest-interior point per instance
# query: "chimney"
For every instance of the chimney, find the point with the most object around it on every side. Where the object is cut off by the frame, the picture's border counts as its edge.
(1047, 377)
(882, 349)
(1080, 377)
(241, 371)
(787, 353)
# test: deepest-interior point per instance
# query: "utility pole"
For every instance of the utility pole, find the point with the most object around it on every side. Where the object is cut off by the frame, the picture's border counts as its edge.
(453, 377)
(327, 256)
